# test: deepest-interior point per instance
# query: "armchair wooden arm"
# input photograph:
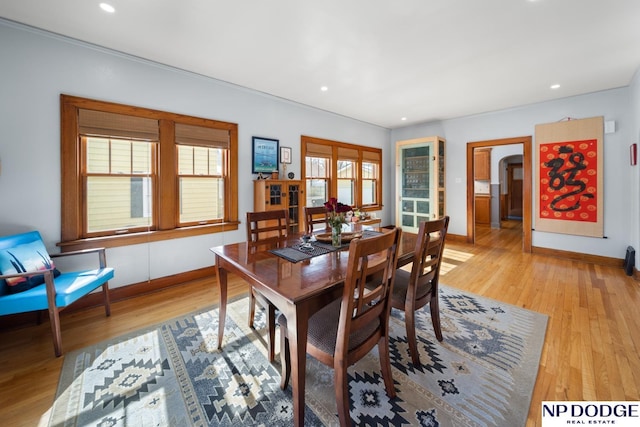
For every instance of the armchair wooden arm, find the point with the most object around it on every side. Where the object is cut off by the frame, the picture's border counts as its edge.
(102, 256)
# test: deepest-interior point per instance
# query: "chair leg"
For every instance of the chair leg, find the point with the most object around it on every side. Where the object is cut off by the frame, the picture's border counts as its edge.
(385, 366)
(54, 314)
(410, 324)
(435, 316)
(54, 319)
(252, 307)
(270, 311)
(271, 331)
(107, 298)
(285, 359)
(342, 394)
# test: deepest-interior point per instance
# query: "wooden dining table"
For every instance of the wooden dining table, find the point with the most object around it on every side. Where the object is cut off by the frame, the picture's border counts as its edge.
(297, 289)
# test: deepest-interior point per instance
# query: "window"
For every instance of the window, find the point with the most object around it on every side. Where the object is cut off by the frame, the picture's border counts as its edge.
(351, 173)
(143, 175)
(317, 178)
(201, 177)
(346, 175)
(201, 185)
(346, 181)
(118, 182)
(371, 188)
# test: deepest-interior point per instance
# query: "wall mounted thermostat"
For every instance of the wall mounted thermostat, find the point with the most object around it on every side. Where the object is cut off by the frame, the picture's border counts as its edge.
(609, 126)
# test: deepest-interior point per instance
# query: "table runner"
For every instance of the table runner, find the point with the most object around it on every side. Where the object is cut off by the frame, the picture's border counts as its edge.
(297, 252)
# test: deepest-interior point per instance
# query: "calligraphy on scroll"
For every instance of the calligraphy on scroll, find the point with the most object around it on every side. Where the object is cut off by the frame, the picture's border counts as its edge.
(568, 180)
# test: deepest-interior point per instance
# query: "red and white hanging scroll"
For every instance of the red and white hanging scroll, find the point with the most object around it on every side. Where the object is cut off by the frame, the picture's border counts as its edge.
(569, 177)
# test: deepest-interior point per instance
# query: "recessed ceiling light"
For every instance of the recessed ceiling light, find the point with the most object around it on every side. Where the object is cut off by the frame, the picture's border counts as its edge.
(555, 86)
(107, 7)
(324, 88)
(403, 119)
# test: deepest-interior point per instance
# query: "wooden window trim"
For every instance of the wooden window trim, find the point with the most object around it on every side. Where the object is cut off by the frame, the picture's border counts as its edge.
(368, 154)
(375, 180)
(193, 175)
(85, 175)
(167, 216)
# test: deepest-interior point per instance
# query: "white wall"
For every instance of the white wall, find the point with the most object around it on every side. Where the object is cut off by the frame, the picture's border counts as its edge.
(612, 104)
(633, 190)
(37, 67)
(497, 154)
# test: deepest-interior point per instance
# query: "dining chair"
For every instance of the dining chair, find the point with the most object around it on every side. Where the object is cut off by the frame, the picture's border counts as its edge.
(316, 215)
(413, 290)
(266, 228)
(345, 330)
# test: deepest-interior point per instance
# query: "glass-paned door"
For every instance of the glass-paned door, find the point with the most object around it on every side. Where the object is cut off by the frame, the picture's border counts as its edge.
(419, 181)
(294, 207)
(275, 197)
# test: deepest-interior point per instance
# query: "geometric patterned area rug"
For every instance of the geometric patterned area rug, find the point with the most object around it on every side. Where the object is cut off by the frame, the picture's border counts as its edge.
(482, 374)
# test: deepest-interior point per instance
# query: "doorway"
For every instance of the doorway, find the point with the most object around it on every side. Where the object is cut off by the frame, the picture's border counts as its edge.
(526, 186)
(514, 190)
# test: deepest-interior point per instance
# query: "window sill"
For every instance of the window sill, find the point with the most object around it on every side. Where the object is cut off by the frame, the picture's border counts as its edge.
(146, 237)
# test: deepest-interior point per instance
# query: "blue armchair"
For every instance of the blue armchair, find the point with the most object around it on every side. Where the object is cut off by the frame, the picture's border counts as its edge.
(29, 280)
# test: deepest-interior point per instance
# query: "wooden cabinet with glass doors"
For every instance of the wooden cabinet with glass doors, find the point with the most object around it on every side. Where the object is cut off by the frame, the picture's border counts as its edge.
(420, 181)
(269, 195)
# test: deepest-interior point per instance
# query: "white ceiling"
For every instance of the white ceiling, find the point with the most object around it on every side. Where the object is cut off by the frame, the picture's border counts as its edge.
(380, 59)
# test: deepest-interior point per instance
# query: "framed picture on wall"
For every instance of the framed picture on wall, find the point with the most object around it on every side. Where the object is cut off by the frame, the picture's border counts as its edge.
(264, 155)
(285, 154)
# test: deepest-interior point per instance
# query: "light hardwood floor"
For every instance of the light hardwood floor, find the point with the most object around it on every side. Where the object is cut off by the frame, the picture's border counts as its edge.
(591, 351)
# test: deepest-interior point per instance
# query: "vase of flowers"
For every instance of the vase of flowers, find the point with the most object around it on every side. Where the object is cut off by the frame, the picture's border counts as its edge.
(336, 212)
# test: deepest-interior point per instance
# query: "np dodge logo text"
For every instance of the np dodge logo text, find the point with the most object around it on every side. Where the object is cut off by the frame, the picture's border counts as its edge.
(591, 410)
